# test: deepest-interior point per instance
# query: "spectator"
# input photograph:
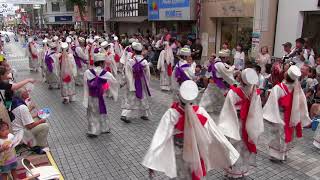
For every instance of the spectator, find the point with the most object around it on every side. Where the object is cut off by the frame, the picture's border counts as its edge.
(199, 76)
(196, 51)
(287, 48)
(239, 58)
(8, 157)
(263, 59)
(308, 54)
(305, 72)
(34, 132)
(297, 53)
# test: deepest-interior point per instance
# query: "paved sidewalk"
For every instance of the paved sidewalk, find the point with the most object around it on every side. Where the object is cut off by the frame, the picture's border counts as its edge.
(118, 155)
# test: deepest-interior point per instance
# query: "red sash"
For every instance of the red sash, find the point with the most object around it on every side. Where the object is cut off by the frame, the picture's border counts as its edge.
(286, 103)
(116, 58)
(244, 110)
(108, 69)
(180, 127)
(90, 56)
(34, 56)
(169, 69)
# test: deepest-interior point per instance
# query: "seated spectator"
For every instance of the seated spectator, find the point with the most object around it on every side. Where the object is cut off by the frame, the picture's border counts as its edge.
(199, 76)
(34, 132)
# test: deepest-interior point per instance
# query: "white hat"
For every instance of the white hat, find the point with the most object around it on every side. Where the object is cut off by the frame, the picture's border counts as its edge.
(64, 45)
(137, 46)
(30, 39)
(104, 44)
(111, 44)
(96, 37)
(90, 41)
(132, 40)
(249, 76)
(294, 72)
(115, 38)
(223, 53)
(72, 32)
(55, 38)
(101, 40)
(99, 57)
(188, 91)
(185, 51)
(52, 45)
(82, 40)
(45, 41)
(68, 40)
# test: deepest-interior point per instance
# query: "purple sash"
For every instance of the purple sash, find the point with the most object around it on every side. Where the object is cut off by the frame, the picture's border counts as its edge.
(180, 74)
(77, 58)
(218, 81)
(138, 74)
(96, 90)
(49, 61)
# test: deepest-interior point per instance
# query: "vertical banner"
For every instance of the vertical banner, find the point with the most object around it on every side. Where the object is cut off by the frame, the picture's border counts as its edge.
(198, 10)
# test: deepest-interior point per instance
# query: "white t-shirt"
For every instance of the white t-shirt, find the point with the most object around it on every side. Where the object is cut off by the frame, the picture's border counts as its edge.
(239, 60)
(22, 118)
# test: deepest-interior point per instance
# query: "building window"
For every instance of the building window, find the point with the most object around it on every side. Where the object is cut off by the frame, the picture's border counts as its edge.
(69, 7)
(128, 8)
(55, 6)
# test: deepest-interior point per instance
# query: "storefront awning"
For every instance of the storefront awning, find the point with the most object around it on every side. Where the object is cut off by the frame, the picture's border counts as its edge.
(137, 19)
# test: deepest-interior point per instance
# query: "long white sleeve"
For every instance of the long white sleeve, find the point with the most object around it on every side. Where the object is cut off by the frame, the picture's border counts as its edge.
(161, 155)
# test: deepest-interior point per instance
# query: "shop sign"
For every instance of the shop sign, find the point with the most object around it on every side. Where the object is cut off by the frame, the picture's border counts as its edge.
(62, 18)
(169, 10)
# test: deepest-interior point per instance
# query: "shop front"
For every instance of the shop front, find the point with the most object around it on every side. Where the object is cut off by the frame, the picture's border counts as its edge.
(176, 16)
(250, 23)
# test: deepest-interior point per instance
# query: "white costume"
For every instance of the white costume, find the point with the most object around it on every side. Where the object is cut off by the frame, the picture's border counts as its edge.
(165, 64)
(137, 102)
(33, 54)
(81, 59)
(96, 83)
(187, 142)
(214, 95)
(52, 66)
(68, 72)
(182, 72)
(241, 121)
(42, 55)
(287, 110)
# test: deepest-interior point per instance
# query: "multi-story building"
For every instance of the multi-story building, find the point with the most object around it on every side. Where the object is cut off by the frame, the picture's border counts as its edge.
(296, 19)
(249, 22)
(58, 12)
(128, 16)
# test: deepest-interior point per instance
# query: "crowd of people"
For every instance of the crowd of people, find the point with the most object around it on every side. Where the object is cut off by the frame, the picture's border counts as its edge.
(216, 130)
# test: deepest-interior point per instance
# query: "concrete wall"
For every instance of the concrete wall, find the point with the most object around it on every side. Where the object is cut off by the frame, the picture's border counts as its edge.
(290, 21)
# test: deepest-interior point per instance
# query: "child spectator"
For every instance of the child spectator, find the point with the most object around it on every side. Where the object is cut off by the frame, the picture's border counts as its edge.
(8, 158)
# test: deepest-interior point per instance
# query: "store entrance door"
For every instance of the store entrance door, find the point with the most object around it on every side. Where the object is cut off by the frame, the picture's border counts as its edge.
(234, 31)
(311, 24)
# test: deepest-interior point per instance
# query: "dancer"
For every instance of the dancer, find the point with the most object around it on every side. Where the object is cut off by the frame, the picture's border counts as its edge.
(33, 55)
(68, 72)
(81, 59)
(220, 77)
(182, 71)
(287, 110)
(97, 82)
(137, 75)
(241, 121)
(187, 143)
(165, 64)
(52, 66)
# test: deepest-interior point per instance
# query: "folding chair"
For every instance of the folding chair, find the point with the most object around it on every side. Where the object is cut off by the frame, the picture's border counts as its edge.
(46, 172)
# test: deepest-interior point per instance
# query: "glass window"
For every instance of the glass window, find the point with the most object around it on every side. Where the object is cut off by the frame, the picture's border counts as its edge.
(55, 6)
(69, 7)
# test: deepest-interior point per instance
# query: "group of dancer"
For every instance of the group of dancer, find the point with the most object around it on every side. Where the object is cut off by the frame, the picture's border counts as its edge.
(222, 132)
